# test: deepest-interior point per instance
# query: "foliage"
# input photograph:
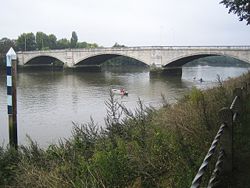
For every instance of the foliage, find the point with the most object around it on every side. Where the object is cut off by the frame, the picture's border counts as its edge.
(82, 45)
(241, 146)
(5, 45)
(8, 166)
(140, 148)
(45, 41)
(26, 42)
(116, 45)
(41, 41)
(239, 7)
(92, 45)
(52, 41)
(73, 40)
(63, 43)
(86, 45)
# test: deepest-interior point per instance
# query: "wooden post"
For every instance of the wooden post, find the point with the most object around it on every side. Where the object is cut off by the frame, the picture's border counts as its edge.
(248, 88)
(226, 117)
(11, 96)
(238, 105)
(244, 90)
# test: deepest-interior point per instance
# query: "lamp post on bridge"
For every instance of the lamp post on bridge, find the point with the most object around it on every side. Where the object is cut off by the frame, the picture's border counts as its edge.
(25, 43)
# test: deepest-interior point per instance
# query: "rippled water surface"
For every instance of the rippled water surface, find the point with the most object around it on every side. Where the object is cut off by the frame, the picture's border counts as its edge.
(48, 102)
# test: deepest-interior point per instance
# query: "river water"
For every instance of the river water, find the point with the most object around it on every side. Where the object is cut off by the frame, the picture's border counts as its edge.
(48, 102)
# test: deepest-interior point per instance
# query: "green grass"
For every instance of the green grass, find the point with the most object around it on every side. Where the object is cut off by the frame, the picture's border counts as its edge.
(241, 162)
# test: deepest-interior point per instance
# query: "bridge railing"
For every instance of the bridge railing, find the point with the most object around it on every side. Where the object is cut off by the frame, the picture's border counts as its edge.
(222, 144)
(246, 47)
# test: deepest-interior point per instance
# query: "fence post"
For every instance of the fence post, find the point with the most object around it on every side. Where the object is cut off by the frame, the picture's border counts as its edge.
(238, 105)
(226, 117)
(244, 90)
(248, 87)
(11, 96)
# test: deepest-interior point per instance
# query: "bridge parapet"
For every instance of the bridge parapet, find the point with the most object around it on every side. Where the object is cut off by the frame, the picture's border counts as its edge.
(150, 55)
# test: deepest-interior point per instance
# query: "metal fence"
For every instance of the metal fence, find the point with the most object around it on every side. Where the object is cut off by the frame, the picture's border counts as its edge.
(223, 144)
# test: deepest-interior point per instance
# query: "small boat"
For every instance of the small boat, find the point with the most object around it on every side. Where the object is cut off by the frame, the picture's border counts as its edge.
(120, 91)
(201, 80)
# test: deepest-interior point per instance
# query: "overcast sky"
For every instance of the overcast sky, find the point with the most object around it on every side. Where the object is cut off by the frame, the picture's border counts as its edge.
(127, 22)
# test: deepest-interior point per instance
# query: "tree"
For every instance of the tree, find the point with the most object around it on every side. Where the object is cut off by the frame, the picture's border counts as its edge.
(239, 7)
(73, 40)
(82, 45)
(26, 42)
(63, 44)
(92, 45)
(42, 40)
(45, 41)
(5, 45)
(52, 41)
(116, 45)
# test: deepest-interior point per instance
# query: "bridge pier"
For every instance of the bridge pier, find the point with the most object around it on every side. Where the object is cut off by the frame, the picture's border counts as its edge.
(167, 71)
(172, 71)
(88, 68)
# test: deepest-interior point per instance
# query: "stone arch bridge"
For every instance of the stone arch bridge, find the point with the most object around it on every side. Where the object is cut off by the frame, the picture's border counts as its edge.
(167, 57)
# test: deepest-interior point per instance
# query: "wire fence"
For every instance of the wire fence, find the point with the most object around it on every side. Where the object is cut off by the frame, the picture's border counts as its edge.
(222, 144)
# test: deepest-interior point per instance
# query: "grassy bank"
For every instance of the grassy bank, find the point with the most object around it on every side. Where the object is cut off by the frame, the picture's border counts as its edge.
(145, 148)
(241, 168)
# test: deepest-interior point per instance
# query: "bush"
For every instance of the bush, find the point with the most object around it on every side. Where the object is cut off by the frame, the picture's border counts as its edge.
(8, 165)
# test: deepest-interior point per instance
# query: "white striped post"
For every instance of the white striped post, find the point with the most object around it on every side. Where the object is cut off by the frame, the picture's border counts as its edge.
(11, 96)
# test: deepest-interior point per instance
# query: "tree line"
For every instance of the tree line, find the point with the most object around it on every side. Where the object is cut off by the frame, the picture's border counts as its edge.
(41, 41)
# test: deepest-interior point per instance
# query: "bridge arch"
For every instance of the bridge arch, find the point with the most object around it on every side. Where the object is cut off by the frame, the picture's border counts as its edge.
(42, 60)
(98, 59)
(181, 60)
(27, 57)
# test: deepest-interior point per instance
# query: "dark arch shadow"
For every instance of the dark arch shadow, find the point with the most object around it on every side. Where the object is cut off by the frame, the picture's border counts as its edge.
(182, 61)
(175, 67)
(100, 59)
(96, 60)
(43, 61)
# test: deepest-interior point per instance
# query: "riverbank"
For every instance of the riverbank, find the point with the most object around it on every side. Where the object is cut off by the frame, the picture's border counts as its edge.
(241, 168)
(147, 148)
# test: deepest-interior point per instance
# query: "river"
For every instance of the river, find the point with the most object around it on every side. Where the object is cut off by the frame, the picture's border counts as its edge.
(48, 102)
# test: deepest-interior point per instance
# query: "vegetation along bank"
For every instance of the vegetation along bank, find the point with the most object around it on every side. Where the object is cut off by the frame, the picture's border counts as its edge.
(146, 148)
